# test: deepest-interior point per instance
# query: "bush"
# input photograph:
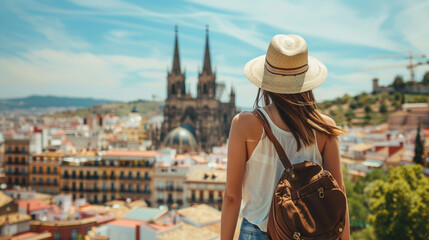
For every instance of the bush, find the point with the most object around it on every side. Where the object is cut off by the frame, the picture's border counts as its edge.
(400, 205)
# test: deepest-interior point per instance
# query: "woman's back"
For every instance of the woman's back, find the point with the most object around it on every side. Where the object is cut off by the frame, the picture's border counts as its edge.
(264, 169)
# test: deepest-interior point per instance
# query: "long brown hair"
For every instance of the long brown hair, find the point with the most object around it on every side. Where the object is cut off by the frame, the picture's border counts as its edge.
(299, 112)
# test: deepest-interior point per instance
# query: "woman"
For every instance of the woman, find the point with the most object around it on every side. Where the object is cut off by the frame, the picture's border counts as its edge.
(286, 76)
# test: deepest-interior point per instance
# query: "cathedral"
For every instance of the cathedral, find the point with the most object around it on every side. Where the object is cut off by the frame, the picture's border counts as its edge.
(193, 124)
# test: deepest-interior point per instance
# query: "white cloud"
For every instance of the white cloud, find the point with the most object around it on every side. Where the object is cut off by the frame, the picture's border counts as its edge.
(412, 24)
(85, 69)
(331, 20)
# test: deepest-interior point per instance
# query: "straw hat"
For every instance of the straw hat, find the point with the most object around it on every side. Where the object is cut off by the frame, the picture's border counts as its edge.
(286, 68)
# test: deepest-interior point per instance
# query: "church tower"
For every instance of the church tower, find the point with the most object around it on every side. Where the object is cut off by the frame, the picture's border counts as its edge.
(176, 79)
(206, 78)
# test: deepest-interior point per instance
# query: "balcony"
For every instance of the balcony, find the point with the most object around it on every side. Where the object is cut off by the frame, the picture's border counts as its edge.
(179, 189)
(160, 201)
(16, 152)
(16, 163)
(160, 188)
(169, 188)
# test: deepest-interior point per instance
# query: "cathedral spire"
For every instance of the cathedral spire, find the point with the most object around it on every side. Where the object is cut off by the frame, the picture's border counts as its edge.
(207, 65)
(176, 59)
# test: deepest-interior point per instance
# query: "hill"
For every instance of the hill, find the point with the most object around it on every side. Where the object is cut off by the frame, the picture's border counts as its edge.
(144, 107)
(36, 101)
(364, 108)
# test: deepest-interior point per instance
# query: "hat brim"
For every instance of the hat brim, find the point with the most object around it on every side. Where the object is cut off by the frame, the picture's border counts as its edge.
(257, 74)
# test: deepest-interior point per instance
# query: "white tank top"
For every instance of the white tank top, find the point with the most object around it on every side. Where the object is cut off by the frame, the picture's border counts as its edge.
(264, 169)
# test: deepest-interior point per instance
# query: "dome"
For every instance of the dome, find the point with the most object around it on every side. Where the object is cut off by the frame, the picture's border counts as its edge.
(181, 139)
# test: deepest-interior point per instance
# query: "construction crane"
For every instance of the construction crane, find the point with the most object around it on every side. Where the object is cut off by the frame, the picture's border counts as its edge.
(411, 64)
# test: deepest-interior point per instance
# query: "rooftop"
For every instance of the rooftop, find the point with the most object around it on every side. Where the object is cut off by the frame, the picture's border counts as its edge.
(207, 175)
(12, 218)
(360, 147)
(32, 236)
(188, 232)
(201, 214)
(34, 204)
(124, 153)
(4, 199)
(145, 214)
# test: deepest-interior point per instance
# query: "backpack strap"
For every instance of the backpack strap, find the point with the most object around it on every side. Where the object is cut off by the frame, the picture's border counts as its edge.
(279, 149)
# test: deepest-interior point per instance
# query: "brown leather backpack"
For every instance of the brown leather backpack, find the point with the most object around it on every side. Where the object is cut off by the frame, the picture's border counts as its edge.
(307, 202)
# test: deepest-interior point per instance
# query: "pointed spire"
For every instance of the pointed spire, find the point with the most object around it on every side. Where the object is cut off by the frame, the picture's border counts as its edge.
(176, 59)
(232, 91)
(207, 65)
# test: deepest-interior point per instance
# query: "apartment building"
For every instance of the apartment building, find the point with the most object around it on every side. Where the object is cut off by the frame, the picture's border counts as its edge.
(116, 174)
(206, 186)
(16, 157)
(169, 185)
(45, 172)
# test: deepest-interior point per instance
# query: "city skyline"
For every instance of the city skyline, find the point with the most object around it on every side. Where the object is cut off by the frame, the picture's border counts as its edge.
(121, 50)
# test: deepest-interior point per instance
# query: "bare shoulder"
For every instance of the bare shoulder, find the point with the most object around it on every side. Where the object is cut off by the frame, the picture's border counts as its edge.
(245, 121)
(329, 120)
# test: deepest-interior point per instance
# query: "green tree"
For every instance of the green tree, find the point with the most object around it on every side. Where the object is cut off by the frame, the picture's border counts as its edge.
(349, 115)
(367, 109)
(400, 206)
(398, 83)
(367, 234)
(425, 80)
(383, 107)
(418, 148)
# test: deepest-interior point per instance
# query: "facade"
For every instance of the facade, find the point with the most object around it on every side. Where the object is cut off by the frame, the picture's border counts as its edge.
(115, 175)
(169, 185)
(409, 116)
(45, 172)
(205, 116)
(206, 186)
(16, 156)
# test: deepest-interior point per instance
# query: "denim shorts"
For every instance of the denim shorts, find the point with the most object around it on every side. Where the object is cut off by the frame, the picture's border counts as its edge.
(249, 231)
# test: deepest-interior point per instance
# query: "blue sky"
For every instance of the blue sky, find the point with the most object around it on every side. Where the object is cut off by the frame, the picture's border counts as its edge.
(122, 49)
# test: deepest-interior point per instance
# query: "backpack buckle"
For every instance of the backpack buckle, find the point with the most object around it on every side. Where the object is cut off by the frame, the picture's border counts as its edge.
(296, 235)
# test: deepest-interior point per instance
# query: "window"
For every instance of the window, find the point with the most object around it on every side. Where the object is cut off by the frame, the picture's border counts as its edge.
(138, 188)
(55, 182)
(138, 175)
(130, 188)
(23, 160)
(112, 187)
(48, 181)
(40, 181)
(55, 170)
(146, 175)
(130, 175)
(40, 170)
(34, 181)
(122, 175)
(34, 170)
(169, 185)
(74, 234)
(48, 170)
(104, 186)
(160, 185)
(57, 235)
